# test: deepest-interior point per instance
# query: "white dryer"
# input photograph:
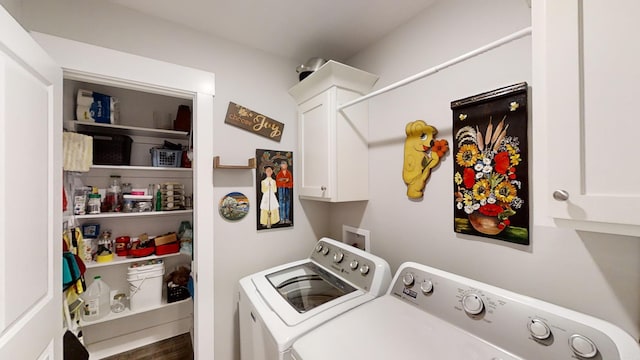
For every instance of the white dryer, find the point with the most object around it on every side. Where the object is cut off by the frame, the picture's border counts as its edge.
(280, 304)
(431, 314)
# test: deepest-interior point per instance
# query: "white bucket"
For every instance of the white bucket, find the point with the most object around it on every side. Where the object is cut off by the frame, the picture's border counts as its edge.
(145, 285)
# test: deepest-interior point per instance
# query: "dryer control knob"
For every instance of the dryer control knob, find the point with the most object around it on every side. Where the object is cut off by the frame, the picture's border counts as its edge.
(582, 346)
(337, 257)
(472, 304)
(539, 329)
(364, 269)
(354, 264)
(426, 286)
(325, 250)
(319, 248)
(408, 279)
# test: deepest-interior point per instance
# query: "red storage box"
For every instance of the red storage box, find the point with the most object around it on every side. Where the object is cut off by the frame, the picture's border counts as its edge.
(170, 248)
(141, 252)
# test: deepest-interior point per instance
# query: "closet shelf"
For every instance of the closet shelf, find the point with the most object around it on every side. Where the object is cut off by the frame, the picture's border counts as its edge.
(127, 312)
(145, 168)
(75, 125)
(106, 215)
(251, 164)
(119, 260)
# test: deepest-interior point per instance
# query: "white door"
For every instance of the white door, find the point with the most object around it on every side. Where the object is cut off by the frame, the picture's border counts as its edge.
(592, 74)
(30, 197)
(315, 127)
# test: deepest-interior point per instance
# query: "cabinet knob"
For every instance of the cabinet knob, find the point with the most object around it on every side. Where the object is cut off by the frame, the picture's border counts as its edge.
(561, 195)
(323, 188)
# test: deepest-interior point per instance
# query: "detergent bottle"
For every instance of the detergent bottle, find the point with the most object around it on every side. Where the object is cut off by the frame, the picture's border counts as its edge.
(96, 298)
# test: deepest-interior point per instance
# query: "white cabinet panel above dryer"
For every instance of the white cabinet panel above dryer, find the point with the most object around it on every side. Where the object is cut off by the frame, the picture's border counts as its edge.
(586, 79)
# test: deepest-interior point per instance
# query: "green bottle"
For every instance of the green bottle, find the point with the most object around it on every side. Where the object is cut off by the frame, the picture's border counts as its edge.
(158, 200)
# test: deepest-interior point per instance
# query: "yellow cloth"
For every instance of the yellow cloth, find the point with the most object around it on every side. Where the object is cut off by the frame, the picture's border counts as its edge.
(78, 151)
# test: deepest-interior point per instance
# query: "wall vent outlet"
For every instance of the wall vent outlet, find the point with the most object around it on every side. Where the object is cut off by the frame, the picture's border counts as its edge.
(356, 237)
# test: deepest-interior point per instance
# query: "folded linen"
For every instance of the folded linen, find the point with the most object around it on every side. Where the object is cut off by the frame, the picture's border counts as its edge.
(78, 151)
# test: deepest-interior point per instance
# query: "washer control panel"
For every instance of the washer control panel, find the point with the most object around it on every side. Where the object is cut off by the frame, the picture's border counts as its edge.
(523, 326)
(362, 269)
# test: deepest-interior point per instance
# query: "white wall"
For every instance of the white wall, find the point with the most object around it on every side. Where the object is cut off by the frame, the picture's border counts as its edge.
(244, 76)
(593, 273)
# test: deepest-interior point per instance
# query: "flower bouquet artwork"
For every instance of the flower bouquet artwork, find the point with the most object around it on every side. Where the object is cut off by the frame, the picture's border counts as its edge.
(491, 187)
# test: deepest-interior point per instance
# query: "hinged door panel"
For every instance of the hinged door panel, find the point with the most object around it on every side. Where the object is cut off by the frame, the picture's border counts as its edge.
(592, 76)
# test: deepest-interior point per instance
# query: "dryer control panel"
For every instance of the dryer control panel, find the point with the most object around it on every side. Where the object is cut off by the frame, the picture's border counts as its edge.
(364, 270)
(523, 326)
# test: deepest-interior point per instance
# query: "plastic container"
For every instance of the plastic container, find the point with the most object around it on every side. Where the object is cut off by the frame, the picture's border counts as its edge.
(113, 197)
(97, 302)
(145, 284)
(93, 205)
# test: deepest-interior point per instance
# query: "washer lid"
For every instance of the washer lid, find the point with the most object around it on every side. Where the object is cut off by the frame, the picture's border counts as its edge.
(307, 286)
(387, 328)
(288, 276)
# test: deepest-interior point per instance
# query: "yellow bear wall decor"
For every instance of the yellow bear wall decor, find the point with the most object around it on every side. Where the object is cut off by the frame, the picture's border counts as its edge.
(422, 152)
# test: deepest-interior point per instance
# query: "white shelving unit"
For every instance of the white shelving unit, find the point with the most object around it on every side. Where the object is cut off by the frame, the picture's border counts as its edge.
(100, 332)
(146, 87)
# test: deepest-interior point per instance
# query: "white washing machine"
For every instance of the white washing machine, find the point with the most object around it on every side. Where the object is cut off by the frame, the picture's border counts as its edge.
(280, 304)
(431, 314)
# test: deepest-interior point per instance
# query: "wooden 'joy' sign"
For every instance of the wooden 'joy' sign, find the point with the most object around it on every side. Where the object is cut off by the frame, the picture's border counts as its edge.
(254, 122)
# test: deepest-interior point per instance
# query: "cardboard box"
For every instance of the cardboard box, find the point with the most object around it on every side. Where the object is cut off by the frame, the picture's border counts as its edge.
(165, 239)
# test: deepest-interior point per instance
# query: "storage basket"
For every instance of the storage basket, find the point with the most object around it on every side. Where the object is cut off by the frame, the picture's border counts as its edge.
(165, 157)
(177, 293)
(111, 149)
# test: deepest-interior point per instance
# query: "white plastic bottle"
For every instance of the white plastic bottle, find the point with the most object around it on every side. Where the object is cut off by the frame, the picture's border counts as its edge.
(96, 298)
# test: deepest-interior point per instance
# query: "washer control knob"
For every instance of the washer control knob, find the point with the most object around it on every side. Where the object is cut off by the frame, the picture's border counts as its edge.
(472, 304)
(319, 247)
(354, 264)
(337, 257)
(426, 286)
(364, 269)
(539, 329)
(582, 346)
(325, 250)
(408, 279)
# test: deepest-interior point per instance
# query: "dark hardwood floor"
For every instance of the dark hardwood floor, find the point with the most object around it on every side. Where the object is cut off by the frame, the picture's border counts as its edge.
(175, 348)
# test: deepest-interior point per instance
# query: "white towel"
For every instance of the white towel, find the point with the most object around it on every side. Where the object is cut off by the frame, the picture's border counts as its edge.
(78, 151)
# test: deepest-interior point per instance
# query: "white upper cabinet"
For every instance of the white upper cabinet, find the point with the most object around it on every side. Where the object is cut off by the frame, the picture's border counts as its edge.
(586, 76)
(333, 144)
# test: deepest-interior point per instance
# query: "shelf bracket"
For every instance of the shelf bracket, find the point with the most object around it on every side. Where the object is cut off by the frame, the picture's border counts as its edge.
(251, 164)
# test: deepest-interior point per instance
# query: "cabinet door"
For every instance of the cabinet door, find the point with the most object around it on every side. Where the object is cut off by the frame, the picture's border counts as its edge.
(316, 124)
(30, 197)
(592, 77)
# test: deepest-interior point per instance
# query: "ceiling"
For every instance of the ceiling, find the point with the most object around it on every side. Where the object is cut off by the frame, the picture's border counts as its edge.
(294, 29)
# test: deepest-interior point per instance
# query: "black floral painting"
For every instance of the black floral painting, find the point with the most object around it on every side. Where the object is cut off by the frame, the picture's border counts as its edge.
(491, 178)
